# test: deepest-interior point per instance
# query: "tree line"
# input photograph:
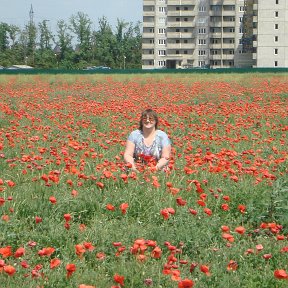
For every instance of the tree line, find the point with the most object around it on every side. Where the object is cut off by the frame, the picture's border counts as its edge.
(76, 45)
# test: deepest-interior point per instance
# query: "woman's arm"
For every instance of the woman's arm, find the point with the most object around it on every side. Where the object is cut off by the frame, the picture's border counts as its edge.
(165, 156)
(128, 154)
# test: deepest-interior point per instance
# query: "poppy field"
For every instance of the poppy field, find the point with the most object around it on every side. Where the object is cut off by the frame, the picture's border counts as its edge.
(73, 215)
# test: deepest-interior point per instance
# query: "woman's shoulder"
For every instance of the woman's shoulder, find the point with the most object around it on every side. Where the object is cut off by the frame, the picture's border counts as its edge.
(134, 135)
(136, 132)
(161, 133)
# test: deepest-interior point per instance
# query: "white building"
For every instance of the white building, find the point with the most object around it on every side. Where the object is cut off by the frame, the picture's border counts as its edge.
(214, 33)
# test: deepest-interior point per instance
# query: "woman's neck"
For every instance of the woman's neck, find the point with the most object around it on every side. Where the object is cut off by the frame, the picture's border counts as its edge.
(148, 132)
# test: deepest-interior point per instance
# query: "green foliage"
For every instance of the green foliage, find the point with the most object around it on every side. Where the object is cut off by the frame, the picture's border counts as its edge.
(75, 46)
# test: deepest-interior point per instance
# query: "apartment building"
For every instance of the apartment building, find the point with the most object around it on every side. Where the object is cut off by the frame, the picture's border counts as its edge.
(214, 33)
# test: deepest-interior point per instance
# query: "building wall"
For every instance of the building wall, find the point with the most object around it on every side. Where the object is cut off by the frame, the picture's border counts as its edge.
(215, 34)
(272, 43)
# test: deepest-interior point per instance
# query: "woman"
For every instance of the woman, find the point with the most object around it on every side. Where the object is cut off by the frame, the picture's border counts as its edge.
(148, 144)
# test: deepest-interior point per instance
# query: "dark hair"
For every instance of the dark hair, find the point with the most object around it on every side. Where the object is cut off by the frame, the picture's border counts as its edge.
(151, 113)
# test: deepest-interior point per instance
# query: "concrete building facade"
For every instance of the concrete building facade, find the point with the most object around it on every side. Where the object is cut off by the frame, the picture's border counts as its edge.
(214, 33)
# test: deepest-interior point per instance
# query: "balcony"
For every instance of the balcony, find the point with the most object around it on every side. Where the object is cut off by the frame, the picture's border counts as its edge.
(228, 24)
(255, 43)
(148, 2)
(179, 24)
(149, 13)
(215, 57)
(255, 19)
(228, 56)
(228, 46)
(147, 46)
(178, 2)
(179, 46)
(148, 35)
(181, 13)
(148, 24)
(148, 57)
(215, 46)
(215, 24)
(228, 13)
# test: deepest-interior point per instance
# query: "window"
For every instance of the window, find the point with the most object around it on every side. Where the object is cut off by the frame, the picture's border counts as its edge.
(161, 63)
(151, 51)
(177, 19)
(177, 52)
(186, 8)
(276, 38)
(161, 31)
(241, 29)
(162, 41)
(185, 52)
(161, 52)
(231, 30)
(240, 41)
(177, 8)
(151, 30)
(201, 52)
(240, 19)
(275, 63)
(202, 8)
(214, 52)
(177, 41)
(201, 63)
(151, 41)
(276, 51)
(185, 30)
(276, 26)
(241, 8)
(162, 9)
(177, 30)
(150, 63)
(276, 14)
(185, 41)
(276, 1)
(202, 41)
(202, 30)
(185, 19)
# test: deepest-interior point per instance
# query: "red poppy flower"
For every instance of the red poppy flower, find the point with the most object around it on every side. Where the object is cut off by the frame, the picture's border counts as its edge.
(19, 252)
(54, 263)
(70, 268)
(205, 269)
(9, 269)
(181, 202)
(124, 207)
(185, 283)
(232, 265)
(52, 199)
(240, 230)
(6, 251)
(280, 274)
(119, 279)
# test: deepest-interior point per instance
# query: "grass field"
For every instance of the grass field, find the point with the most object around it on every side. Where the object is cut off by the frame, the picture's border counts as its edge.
(72, 217)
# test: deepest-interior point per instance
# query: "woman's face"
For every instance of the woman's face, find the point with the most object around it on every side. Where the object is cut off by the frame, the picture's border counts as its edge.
(148, 121)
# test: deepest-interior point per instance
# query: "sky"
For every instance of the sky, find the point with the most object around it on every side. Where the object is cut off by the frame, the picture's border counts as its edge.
(17, 11)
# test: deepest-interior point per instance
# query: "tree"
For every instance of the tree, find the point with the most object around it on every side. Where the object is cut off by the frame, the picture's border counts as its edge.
(105, 43)
(46, 36)
(4, 43)
(81, 27)
(64, 42)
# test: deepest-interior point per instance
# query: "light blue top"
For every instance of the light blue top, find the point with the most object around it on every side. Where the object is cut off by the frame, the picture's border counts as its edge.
(161, 140)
